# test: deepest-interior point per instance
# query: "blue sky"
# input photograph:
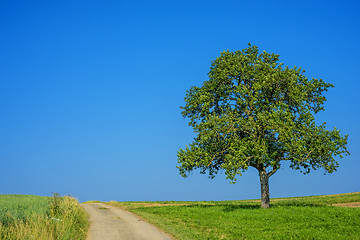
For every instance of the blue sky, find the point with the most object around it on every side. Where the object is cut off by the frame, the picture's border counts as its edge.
(90, 92)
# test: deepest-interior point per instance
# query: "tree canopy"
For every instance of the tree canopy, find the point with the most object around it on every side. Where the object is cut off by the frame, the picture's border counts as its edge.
(254, 112)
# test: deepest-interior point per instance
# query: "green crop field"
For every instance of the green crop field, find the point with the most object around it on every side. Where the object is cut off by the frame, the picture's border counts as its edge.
(291, 218)
(20, 207)
(35, 217)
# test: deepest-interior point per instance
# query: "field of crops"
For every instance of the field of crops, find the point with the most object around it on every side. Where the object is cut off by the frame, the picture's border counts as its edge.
(35, 217)
(292, 218)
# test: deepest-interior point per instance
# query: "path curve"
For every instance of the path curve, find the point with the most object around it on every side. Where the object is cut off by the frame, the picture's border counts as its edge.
(108, 222)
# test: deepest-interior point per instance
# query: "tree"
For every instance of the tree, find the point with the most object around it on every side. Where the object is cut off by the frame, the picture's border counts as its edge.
(253, 112)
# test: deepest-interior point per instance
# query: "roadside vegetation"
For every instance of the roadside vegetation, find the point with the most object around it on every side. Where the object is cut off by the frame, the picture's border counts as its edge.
(292, 218)
(40, 218)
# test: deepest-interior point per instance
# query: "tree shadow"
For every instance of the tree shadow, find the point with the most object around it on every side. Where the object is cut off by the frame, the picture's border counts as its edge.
(288, 203)
(227, 207)
(234, 207)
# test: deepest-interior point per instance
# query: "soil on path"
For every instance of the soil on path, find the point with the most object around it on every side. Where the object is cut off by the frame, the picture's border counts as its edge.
(108, 222)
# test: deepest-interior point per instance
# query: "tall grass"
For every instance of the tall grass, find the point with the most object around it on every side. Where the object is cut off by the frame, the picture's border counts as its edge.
(40, 218)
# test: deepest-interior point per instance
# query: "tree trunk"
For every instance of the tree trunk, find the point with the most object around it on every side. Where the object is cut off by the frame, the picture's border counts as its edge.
(265, 194)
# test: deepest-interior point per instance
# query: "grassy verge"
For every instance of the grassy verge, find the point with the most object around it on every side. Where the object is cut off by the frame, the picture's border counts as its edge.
(40, 218)
(291, 218)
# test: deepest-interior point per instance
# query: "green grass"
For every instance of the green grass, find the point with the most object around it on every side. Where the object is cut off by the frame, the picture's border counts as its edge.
(20, 207)
(40, 218)
(292, 218)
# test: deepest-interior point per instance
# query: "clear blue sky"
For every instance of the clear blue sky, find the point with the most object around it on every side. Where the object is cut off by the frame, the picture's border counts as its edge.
(90, 92)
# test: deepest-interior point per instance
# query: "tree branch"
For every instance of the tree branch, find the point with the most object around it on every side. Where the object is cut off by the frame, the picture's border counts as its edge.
(272, 172)
(216, 154)
(308, 155)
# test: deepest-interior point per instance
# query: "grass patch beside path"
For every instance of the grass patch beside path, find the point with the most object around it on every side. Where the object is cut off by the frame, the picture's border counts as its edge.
(292, 218)
(40, 218)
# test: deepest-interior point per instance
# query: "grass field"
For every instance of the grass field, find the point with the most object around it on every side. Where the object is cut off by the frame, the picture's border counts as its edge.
(291, 218)
(40, 218)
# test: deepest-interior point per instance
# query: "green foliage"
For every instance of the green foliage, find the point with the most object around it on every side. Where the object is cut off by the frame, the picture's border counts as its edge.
(34, 217)
(254, 112)
(293, 218)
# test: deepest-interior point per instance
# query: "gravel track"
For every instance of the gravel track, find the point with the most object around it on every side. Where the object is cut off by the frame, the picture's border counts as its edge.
(108, 222)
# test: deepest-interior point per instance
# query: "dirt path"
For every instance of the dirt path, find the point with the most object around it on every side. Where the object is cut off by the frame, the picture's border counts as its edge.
(108, 222)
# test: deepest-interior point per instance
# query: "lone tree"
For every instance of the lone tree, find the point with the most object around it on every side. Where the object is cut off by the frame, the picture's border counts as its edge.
(253, 112)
